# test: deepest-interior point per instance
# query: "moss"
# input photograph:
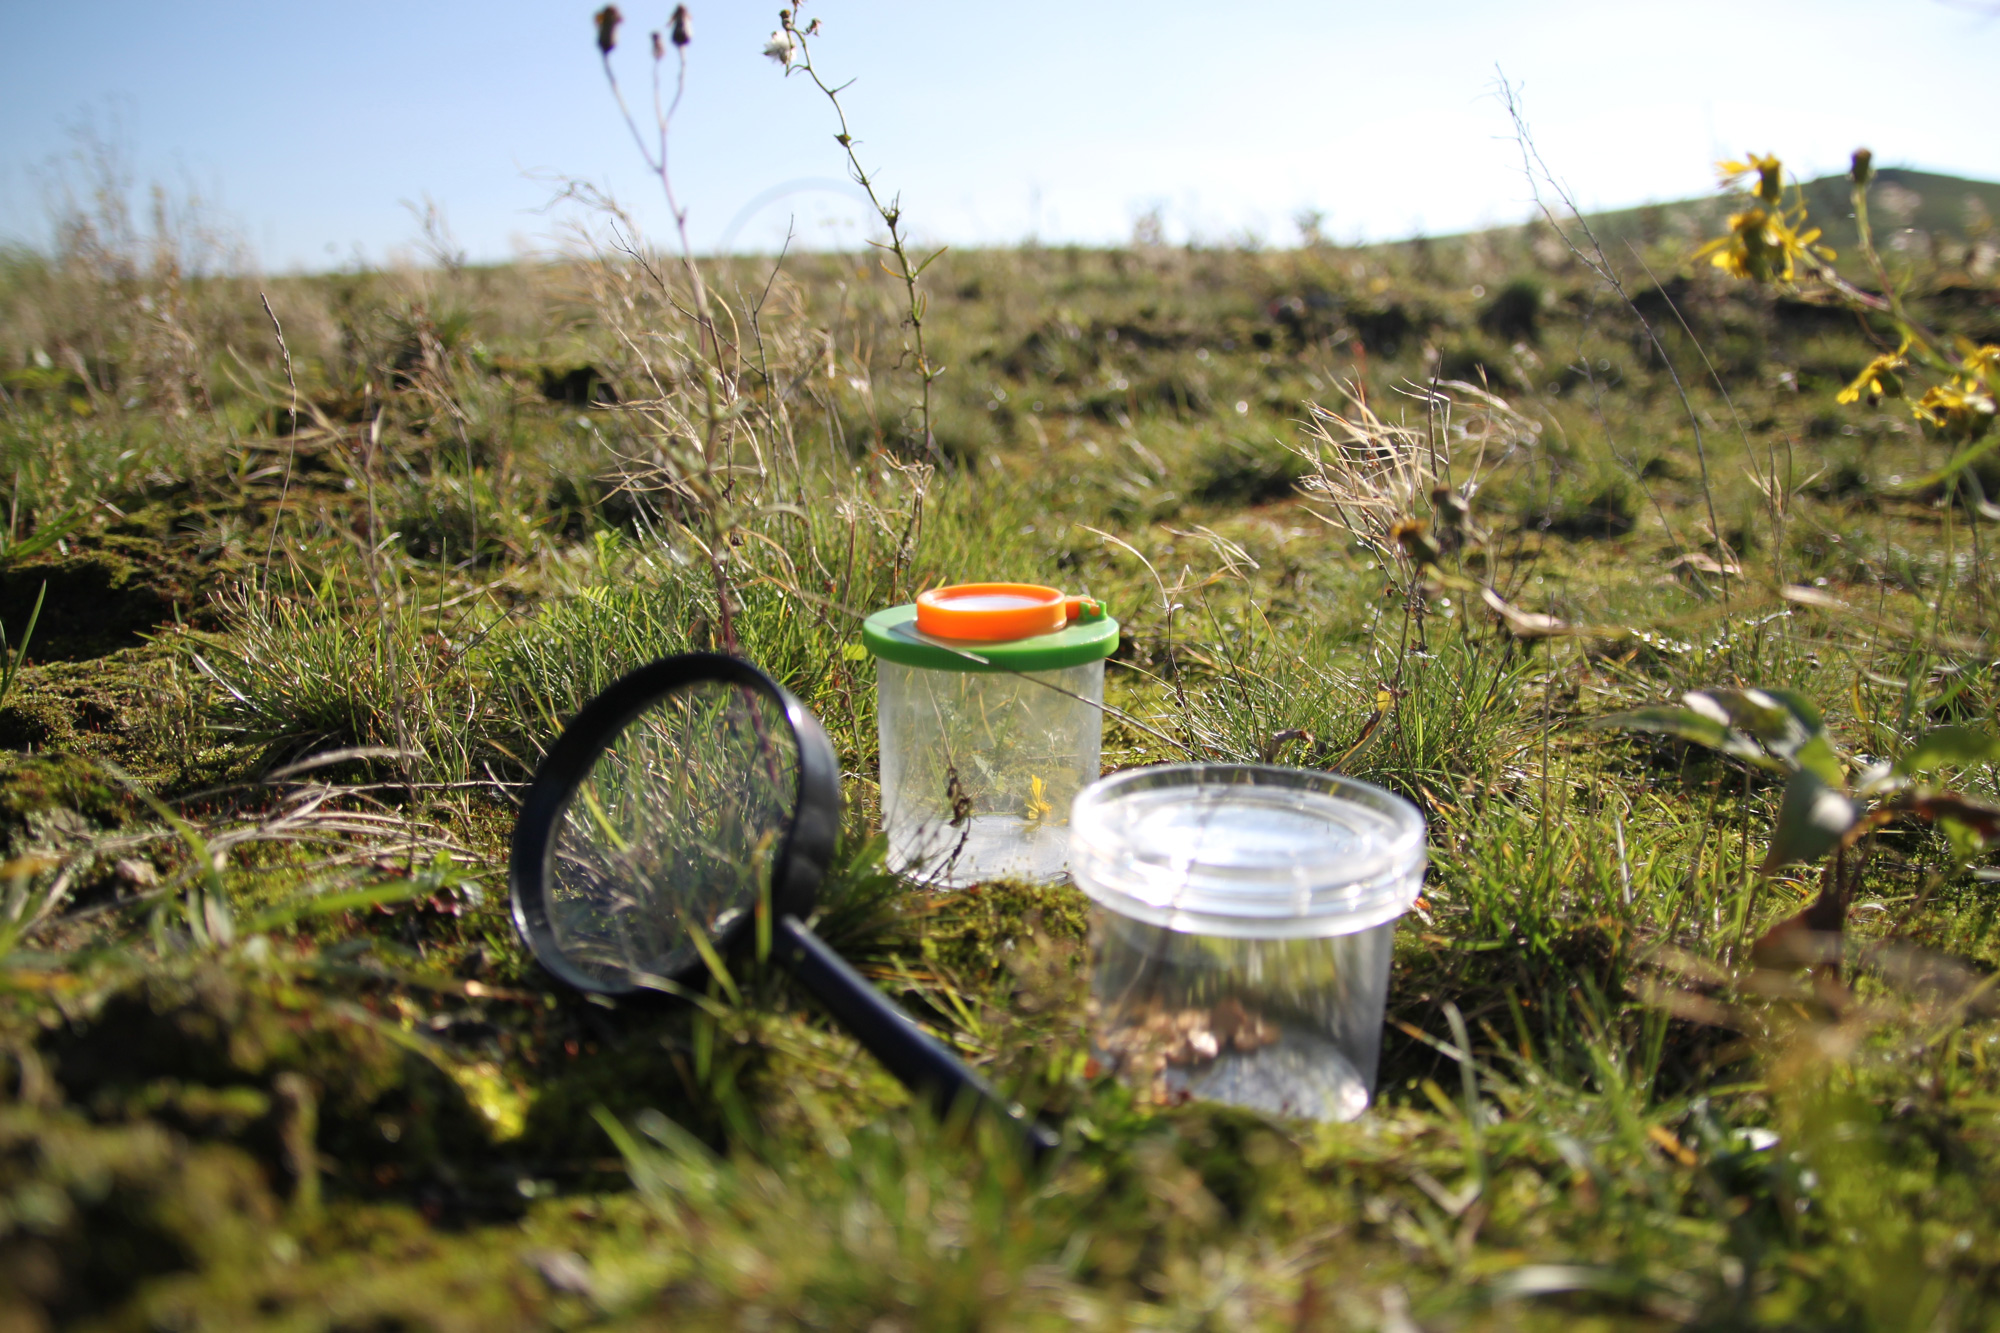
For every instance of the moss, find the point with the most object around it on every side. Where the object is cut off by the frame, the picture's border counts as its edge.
(58, 800)
(34, 784)
(190, 1089)
(92, 1212)
(970, 933)
(623, 1059)
(105, 595)
(201, 1046)
(130, 707)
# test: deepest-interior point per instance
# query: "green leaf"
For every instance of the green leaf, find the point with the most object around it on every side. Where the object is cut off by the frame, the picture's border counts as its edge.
(1816, 756)
(1756, 712)
(1788, 724)
(1955, 684)
(1949, 747)
(1811, 819)
(1690, 724)
(43, 537)
(1966, 844)
(16, 656)
(1682, 722)
(205, 909)
(1801, 708)
(1784, 721)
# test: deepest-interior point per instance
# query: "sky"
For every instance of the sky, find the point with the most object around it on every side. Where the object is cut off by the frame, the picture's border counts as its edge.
(312, 130)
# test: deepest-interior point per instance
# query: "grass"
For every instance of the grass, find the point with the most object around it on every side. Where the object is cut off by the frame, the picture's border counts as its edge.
(281, 1062)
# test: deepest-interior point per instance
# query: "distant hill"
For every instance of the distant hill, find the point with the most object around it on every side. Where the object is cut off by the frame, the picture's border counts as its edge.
(1898, 199)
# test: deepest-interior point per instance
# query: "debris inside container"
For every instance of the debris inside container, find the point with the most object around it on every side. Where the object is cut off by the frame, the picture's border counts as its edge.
(1140, 1041)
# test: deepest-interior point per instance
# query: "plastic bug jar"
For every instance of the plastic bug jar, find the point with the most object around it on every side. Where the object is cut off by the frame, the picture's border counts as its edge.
(990, 700)
(1241, 943)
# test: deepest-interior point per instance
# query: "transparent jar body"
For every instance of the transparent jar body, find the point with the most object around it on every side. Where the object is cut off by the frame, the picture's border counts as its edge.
(1242, 939)
(979, 769)
(1289, 1027)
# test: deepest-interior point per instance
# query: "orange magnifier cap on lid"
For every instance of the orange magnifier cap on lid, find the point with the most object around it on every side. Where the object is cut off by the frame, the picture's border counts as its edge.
(995, 612)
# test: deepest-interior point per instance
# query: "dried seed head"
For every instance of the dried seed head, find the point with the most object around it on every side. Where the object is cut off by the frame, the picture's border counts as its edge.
(608, 19)
(680, 33)
(1411, 535)
(1864, 166)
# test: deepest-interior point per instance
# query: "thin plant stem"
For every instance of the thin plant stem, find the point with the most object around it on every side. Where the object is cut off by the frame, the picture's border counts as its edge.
(384, 611)
(291, 437)
(709, 337)
(1597, 262)
(891, 213)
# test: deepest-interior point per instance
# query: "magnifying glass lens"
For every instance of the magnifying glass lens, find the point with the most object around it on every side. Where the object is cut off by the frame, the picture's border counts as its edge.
(690, 793)
(672, 835)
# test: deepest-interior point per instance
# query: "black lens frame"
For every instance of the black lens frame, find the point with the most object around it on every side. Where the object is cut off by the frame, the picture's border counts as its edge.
(918, 1059)
(803, 856)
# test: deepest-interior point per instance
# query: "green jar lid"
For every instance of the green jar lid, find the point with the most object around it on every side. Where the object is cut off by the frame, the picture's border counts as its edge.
(892, 635)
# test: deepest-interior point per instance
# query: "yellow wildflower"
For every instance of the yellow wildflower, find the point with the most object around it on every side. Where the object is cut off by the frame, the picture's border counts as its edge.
(1961, 409)
(1763, 244)
(1979, 360)
(1878, 379)
(1764, 240)
(1770, 173)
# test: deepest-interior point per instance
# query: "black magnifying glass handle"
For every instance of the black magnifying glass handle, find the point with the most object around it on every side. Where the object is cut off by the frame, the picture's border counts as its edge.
(918, 1060)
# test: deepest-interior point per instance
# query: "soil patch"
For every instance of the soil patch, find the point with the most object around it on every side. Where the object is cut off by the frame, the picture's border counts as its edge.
(104, 597)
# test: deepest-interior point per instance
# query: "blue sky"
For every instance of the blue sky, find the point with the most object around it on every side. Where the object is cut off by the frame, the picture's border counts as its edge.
(308, 124)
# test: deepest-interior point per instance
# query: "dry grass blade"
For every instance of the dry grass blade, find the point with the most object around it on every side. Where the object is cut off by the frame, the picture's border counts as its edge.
(1522, 624)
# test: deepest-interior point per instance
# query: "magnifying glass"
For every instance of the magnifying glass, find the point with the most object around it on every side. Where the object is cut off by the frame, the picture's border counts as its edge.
(685, 810)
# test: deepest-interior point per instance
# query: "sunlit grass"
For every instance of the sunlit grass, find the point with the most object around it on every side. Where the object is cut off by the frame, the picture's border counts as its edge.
(1594, 1110)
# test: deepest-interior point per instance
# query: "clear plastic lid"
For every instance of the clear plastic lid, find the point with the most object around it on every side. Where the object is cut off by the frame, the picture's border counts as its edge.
(1246, 851)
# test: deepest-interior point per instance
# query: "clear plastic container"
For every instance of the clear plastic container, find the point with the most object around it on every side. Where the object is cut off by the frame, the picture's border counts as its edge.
(1242, 942)
(986, 742)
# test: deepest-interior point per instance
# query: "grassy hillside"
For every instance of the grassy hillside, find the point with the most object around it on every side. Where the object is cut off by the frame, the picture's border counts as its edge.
(1917, 205)
(272, 1057)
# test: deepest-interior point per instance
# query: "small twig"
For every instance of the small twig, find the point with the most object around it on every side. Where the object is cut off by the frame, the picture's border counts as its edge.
(891, 214)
